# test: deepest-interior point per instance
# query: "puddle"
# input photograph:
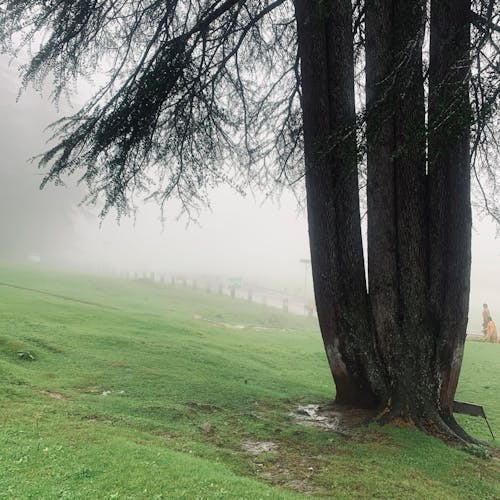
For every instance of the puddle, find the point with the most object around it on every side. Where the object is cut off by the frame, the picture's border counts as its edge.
(310, 415)
(330, 417)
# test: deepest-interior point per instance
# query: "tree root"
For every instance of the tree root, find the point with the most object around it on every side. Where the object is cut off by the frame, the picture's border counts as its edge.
(455, 426)
(432, 423)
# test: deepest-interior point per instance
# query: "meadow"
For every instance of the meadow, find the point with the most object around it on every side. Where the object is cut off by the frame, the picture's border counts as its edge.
(132, 390)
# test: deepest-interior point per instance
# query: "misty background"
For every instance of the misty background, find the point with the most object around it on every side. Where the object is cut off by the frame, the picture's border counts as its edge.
(261, 242)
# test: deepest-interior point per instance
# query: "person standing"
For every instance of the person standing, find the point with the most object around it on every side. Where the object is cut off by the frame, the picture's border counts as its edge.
(490, 333)
(486, 316)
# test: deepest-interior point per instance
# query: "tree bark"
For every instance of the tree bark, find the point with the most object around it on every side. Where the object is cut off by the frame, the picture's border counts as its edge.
(397, 212)
(381, 189)
(449, 187)
(326, 55)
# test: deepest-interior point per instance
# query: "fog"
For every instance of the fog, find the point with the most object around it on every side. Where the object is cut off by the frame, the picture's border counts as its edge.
(259, 241)
(237, 236)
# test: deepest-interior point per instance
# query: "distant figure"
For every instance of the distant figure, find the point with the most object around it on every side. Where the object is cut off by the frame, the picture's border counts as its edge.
(486, 316)
(490, 332)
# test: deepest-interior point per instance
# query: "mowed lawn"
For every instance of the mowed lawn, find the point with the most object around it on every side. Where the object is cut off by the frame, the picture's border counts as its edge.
(131, 390)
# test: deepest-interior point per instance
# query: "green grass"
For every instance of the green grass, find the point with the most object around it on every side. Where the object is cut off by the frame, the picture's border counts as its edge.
(142, 391)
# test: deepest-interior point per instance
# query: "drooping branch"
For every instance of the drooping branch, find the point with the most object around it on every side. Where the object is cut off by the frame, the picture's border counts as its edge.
(180, 75)
(485, 101)
(227, 69)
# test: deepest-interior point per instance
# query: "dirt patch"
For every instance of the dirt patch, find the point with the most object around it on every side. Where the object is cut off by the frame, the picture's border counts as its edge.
(118, 364)
(169, 437)
(257, 447)
(237, 326)
(108, 393)
(289, 467)
(332, 417)
(206, 428)
(55, 395)
(202, 407)
(287, 479)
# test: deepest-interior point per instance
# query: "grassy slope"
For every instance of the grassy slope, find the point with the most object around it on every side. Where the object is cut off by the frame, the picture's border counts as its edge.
(183, 394)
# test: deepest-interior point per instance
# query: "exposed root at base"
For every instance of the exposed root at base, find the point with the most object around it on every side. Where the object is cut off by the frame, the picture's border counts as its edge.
(433, 424)
(340, 418)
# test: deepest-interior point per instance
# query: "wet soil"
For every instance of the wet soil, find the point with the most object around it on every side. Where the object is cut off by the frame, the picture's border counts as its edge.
(256, 447)
(331, 417)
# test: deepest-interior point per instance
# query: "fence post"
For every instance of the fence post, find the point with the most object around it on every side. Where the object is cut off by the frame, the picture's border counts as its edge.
(285, 305)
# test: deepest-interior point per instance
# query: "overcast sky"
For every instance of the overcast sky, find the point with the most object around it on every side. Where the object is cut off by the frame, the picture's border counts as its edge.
(238, 236)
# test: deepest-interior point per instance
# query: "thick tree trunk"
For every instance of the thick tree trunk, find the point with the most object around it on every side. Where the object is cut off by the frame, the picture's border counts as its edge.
(397, 213)
(399, 346)
(381, 194)
(381, 189)
(415, 389)
(326, 54)
(449, 186)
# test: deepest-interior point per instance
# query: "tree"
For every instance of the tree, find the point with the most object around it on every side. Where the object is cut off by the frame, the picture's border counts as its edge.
(258, 91)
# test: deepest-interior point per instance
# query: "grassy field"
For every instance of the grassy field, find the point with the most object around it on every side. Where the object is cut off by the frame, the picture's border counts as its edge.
(129, 390)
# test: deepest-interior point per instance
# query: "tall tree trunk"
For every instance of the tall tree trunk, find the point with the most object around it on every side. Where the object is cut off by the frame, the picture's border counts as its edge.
(397, 214)
(449, 186)
(381, 189)
(326, 55)
(396, 346)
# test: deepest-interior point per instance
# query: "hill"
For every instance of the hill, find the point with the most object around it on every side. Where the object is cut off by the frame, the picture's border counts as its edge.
(121, 389)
